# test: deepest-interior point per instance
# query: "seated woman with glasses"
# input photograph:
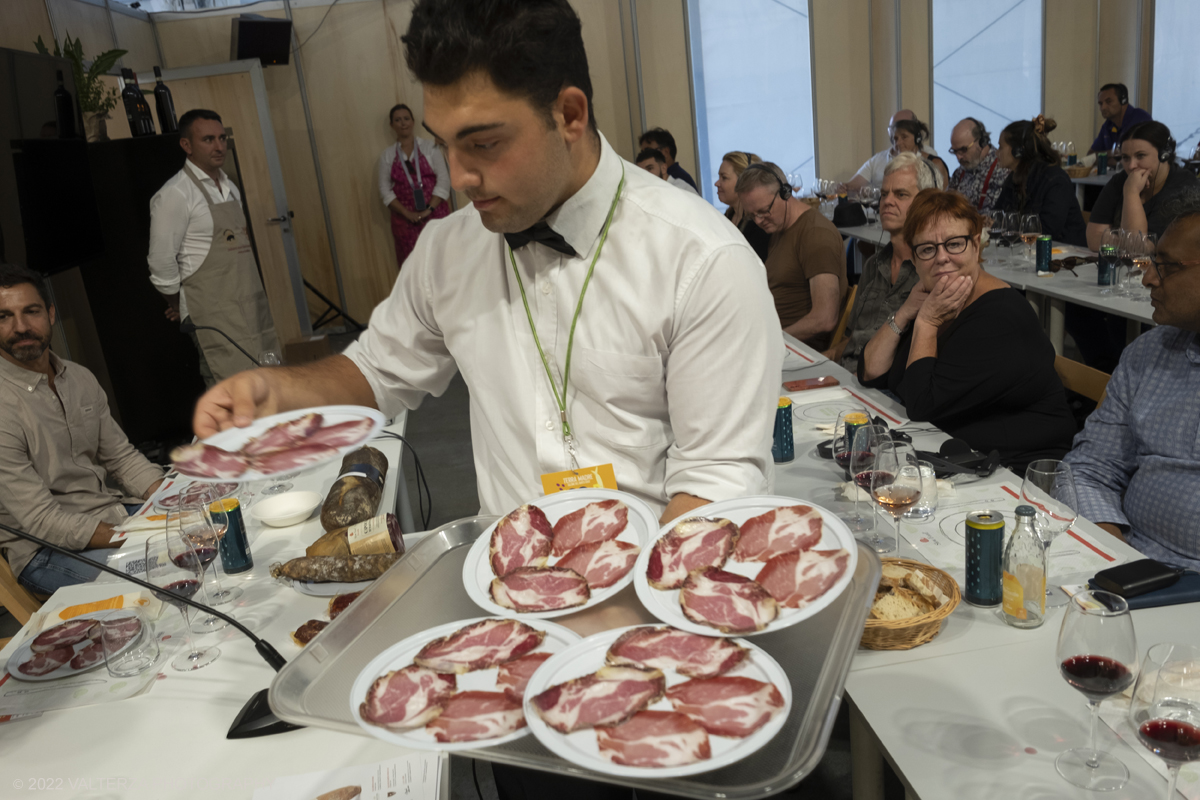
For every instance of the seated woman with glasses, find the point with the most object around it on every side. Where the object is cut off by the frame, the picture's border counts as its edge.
(966, 351)
(1036, 184)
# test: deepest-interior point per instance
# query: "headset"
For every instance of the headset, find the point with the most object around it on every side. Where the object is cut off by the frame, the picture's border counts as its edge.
(1169, 153)
(982, 137)
(785, 190)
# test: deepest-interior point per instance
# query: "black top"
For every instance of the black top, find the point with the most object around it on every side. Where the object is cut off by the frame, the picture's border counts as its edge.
(1050, 194)
(1107, 210)
(676, 171)
(992, 384)
(755, 236)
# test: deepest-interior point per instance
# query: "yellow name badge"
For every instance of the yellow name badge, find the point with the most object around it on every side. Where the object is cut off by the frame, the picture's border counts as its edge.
(600, 477)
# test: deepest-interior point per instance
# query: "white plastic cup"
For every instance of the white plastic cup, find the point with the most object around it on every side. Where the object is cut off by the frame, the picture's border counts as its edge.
(128, 640)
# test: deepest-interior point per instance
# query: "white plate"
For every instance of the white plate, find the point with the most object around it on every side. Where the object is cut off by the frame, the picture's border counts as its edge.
(581, 747)
(328, 589)
(835, 536)
(235, 439)
(23, 652)
(477, 569)
(170, 502)
(401, 654)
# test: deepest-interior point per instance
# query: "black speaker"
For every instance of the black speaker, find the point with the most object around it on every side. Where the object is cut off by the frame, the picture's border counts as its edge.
(254, 36)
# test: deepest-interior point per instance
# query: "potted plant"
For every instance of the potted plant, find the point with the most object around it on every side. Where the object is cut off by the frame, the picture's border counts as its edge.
(95, 99)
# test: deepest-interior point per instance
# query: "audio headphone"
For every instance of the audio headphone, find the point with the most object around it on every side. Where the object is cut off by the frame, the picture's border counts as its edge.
(785, 190)
(983, 138)
(1169, 153)
(1122, 94)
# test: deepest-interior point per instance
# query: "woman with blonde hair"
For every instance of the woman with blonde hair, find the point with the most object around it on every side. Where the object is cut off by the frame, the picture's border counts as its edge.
(733, 164)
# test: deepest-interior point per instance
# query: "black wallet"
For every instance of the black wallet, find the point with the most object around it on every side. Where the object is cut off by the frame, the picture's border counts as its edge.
(1137, 577)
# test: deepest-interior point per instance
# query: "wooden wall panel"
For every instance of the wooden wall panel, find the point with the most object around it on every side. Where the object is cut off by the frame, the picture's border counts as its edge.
(85, 22)
(885, 96)
(842, 96)
(916, 71)
(606, 62)
(23, 22)
(1069, 72)
(664, 48)
(137, 36)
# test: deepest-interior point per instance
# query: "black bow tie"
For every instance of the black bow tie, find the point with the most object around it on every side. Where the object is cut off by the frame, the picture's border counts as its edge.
(543, 233)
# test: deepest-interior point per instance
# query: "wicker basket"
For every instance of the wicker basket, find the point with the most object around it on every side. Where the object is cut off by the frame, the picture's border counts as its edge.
(1078, 171)
(905, 634)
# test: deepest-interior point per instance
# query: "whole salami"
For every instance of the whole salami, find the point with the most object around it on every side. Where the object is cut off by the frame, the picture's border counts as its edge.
(354, 496)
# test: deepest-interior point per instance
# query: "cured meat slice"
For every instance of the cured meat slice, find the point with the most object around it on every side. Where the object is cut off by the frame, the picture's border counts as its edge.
(471, 716)
(217, 491)
(406, 698)
(340, 603)
(283, 436)
(595, 522)
(540, 589)
(522, 539)
(299, 456)
(780, 530)
(693, 544)
(728, 705)
(205, 461)
(655, 739)
(88, 656)
(117, 633)
(728, 602)
(514, 676)
(481, 645)
(608, 696)
(308, 631)
(689, 654)
(796, 579)
(343, 434)
(46, 662)
(601, 563)
(64, 634)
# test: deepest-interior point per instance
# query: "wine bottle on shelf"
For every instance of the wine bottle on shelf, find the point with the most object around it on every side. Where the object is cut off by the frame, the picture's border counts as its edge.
(165, 105)
(64, 110)
(137, 110)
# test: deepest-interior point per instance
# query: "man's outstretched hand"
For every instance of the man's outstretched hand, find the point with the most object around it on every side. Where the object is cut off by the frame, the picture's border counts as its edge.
(235, 403)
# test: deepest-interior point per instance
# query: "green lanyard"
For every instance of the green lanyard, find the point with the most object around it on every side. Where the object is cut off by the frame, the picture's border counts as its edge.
(561, 399)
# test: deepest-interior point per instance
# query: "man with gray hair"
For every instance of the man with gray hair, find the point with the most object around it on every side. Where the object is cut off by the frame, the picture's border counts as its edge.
(978, 177)
(888, 288)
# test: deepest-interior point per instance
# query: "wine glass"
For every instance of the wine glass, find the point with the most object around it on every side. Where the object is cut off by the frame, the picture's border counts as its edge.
(895, 485)
(1049, 487)
(1165, 710)
(1012, 232)
(995, 227)
(1141, 265)
(866, 442)
(796, 181)
(202, 500)
(173, 565)
(1112, 238)
(191, 525)
(1096, 654)
(844, 454)
(1031, 229)
(1132, 243)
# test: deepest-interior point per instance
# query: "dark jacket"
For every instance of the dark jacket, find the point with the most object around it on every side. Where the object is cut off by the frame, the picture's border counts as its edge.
(1050, 194)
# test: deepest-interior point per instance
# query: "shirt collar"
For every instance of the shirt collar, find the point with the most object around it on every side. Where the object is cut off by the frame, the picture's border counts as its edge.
(985, 163)
(27, 379)
(201, 175)
(581, 218)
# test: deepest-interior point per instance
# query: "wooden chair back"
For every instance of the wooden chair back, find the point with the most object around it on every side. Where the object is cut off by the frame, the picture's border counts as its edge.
(1082, 379)
(840, 330)
(15, 597)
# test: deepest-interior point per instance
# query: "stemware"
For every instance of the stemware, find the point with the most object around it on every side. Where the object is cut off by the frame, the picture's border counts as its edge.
(172, 564)
(1136, 290)
(201, 500)
(1097, 655)
(995, 229)
(1112, 238)
(1031, 229)
(855, 454)
(1012, 233)
(192, 526)
(1132, 244)
(1049, 487)
(895, 486)
(1165, 709)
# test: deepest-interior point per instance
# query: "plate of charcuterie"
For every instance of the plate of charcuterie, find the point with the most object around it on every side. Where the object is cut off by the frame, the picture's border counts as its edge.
(560, 554)
(746, 566)
(657, 702)
(279, 445)
(457, 686)
(68, 648)
(217, 491)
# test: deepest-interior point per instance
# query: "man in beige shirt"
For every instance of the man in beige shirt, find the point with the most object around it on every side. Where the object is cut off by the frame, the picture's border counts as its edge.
(58, 445)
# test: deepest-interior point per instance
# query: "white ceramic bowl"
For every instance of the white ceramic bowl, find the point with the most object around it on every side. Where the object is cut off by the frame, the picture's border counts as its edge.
(285, 509)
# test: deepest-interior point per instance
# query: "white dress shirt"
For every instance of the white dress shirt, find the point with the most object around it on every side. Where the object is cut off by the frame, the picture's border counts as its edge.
(181, 228)
(676, 362)
(680, 183)
(874, 166)
(425, 147)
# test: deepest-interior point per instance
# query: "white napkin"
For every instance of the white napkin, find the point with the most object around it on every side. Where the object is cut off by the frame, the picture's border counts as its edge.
(829, 394)
(945, 489)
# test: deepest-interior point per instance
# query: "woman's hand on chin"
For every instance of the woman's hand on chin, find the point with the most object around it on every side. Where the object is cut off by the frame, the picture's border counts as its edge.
(946, 301)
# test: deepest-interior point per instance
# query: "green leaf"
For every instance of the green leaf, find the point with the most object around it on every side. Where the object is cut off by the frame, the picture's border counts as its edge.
(41, 46)
(104, 62)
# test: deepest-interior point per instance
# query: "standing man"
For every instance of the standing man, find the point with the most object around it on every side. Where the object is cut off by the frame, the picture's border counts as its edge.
(806, 265)
(653, 162)
(1118, 115)
(661, 140)
(978, 177)
(200, 257)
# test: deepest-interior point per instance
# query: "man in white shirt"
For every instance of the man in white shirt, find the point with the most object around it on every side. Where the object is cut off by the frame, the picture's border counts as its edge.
(655, 163)
(871, 172)
(565, 250)
(200, 256)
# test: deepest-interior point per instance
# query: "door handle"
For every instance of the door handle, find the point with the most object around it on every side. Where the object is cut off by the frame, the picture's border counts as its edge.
(290, 215)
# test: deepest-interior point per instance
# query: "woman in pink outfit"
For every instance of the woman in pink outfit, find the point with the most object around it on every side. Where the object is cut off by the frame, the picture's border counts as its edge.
(414, 182)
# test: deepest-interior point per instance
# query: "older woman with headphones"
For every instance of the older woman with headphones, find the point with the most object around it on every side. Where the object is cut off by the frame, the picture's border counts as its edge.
(909, 136)
(733, 164)
(1036, 183)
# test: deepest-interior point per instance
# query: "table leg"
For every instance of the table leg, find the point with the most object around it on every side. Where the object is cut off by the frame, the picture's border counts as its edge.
(1035, 300)
(1058, 310)
(866, 760)
(1079, 194)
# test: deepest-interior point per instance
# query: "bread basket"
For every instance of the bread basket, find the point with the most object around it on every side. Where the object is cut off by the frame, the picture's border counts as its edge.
(1078, 171)
(905, 634)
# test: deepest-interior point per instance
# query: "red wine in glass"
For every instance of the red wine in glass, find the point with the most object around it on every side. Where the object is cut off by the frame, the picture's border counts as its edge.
(184, 588)
(863, 479)
(199, 554)
(1170, 739)
(1096, 676)
(845, 459)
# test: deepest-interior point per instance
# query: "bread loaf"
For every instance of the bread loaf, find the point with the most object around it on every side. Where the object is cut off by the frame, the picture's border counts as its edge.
(354, 496)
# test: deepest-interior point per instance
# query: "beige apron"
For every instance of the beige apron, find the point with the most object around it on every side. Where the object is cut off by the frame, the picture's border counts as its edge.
(226, 293)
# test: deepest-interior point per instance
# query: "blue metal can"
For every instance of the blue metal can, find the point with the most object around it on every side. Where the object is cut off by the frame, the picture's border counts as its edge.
(1106, 267)
(1044, 248)
(235, 548)
(985, 550)
(784, 448)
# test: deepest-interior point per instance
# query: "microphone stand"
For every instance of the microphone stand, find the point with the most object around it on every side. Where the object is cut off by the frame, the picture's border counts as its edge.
(188, 327)
(256, 717)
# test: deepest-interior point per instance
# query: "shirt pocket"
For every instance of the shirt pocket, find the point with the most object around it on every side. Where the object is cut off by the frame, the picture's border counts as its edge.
(622, 396)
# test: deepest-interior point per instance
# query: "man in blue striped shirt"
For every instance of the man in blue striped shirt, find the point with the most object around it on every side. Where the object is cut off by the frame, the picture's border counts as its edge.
(1137, 461)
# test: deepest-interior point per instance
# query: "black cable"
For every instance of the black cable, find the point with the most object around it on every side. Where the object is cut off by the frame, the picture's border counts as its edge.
(314, 33)
(475, 776)
(421, 480)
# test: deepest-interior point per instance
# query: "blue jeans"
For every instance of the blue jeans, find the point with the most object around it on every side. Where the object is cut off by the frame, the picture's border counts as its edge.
(49, 571)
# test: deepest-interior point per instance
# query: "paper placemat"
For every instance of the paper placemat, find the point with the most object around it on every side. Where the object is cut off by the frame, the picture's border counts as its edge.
(412, 777)
(1115, 713)
(797, 355)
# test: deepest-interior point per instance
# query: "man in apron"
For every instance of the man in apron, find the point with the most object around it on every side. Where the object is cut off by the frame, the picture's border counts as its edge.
(200, 257)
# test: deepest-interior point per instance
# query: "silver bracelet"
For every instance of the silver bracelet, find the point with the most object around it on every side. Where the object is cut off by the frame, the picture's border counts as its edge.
(896, 329)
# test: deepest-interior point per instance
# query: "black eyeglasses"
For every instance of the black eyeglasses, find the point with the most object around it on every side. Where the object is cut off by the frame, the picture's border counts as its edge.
(766, 212)
(1164, 269)
(954, 246)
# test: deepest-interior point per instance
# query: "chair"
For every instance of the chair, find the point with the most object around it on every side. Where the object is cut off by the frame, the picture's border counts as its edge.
(1082, 379)
(15, 597)
(845, 316)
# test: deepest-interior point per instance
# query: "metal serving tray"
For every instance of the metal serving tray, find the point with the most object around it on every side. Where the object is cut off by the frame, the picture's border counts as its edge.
(425, 589)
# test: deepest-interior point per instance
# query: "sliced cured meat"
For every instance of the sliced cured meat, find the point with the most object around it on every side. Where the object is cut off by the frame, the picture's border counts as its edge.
(343, 434)
(205, 461)
(725, 601)
(471, 716)
(689, 654)
(514, 676)
(655, 739)
(693, 544)
(601, 563)
(46, 662)
(117, 633)
(406, 698)
(595, 522)
(540, 589)
(608, 696)
(796, 579)
(481, 645)
(308, 631)
(65, 634)
(729, 705)
(218, 491)
(340, 603)
(299, 456)
(780, 530)
(284, 435)
(522, 539)
(89, 656)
